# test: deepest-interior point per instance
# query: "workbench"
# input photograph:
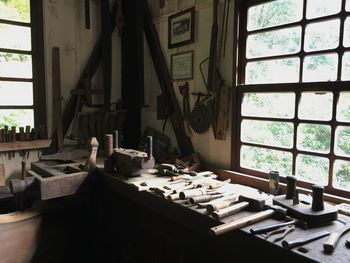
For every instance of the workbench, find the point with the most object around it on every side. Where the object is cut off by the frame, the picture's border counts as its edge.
(149, 228)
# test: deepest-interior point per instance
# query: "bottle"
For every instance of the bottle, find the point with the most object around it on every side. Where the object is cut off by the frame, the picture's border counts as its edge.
(274, 182)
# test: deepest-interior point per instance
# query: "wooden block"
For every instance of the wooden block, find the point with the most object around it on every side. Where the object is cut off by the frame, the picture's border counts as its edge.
(126, 159)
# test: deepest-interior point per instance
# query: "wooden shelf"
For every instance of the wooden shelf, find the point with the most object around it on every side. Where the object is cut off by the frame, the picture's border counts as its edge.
(24, 145)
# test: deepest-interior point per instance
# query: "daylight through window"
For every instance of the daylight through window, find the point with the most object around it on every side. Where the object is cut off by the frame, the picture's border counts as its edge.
(294, 89)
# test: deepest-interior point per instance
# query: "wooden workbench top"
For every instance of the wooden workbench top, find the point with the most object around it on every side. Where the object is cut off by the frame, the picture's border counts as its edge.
(198, 220)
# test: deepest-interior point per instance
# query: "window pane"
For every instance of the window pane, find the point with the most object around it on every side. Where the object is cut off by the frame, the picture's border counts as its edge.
(343, 107)
(322, 36)
(274, 13)
(318, 8)
(15, 10)
(261, 159)
(18, 118)
(271, 133)
(316, 106)
(272, 43)
(273, 71)
(15, 65)
(342, 141)
(312, 169)
(15, 37)
(320, 68)
(16, 93)
(314, 138)
(347, 6)
(346, 41)
(345, 74)
(275, 105)
(342, 175)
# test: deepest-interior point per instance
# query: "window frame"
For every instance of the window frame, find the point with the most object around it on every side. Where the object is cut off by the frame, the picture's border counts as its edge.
(38, 62)
(240, 36)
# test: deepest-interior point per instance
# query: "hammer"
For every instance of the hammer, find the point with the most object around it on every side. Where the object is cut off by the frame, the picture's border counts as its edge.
(272, 210)
(253, 204)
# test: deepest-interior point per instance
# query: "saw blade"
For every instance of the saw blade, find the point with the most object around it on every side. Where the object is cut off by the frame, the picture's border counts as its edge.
(199, 119)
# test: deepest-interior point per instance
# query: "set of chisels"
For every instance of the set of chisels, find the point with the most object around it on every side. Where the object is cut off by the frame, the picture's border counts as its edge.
(221, 200)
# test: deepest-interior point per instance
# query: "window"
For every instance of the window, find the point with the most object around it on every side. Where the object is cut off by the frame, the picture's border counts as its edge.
(293, 90)
(22, 91)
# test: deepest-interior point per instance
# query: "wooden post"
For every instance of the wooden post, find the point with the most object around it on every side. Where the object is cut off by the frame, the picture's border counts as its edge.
(56, 93)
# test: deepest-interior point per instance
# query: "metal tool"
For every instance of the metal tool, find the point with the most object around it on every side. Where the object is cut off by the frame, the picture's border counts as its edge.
(264, 229)
(304, 240)
(284, 231)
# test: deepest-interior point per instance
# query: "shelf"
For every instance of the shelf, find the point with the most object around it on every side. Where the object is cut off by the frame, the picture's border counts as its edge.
(24, 145)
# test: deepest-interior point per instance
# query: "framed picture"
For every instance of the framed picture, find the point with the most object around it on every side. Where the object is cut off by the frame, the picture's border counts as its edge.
(182, 66)
(181, 28)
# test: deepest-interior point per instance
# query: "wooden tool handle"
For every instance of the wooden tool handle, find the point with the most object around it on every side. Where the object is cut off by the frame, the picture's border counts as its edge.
(333, 238)
(236, 224)
(230, 210)
(191, 193)
(203, 198)
(173, 197)
(218, 205)
(331, 242)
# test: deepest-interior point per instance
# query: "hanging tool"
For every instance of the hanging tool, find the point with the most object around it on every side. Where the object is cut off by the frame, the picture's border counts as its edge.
(184, 91)
(200, 117)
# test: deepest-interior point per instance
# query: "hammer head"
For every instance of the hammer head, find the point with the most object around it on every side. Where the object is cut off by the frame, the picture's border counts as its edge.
(280, 212)
(256, 203)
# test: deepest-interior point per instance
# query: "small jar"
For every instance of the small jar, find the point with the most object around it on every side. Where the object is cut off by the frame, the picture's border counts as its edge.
(274, 182)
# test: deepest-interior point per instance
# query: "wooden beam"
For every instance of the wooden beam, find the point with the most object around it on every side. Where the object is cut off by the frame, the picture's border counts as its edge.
(57, 97)
(90, 68)
(177, 120)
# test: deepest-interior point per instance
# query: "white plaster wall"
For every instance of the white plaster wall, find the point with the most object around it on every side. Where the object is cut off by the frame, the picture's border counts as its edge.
(64, 27)
(214, 152)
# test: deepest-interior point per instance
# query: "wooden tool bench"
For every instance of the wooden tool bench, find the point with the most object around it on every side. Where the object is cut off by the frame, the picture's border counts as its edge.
(189, 219)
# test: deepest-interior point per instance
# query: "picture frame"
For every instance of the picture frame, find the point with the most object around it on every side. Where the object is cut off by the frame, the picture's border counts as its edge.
(181, 28)
(182, 66)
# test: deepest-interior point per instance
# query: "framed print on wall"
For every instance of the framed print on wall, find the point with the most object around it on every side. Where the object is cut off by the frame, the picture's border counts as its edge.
(182, 66)
(181, 28)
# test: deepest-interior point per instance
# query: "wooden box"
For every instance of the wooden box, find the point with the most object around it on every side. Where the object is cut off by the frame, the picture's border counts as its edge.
(57, 179)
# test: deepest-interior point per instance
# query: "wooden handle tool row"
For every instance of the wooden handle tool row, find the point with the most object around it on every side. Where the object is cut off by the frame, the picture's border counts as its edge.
(246, 221)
